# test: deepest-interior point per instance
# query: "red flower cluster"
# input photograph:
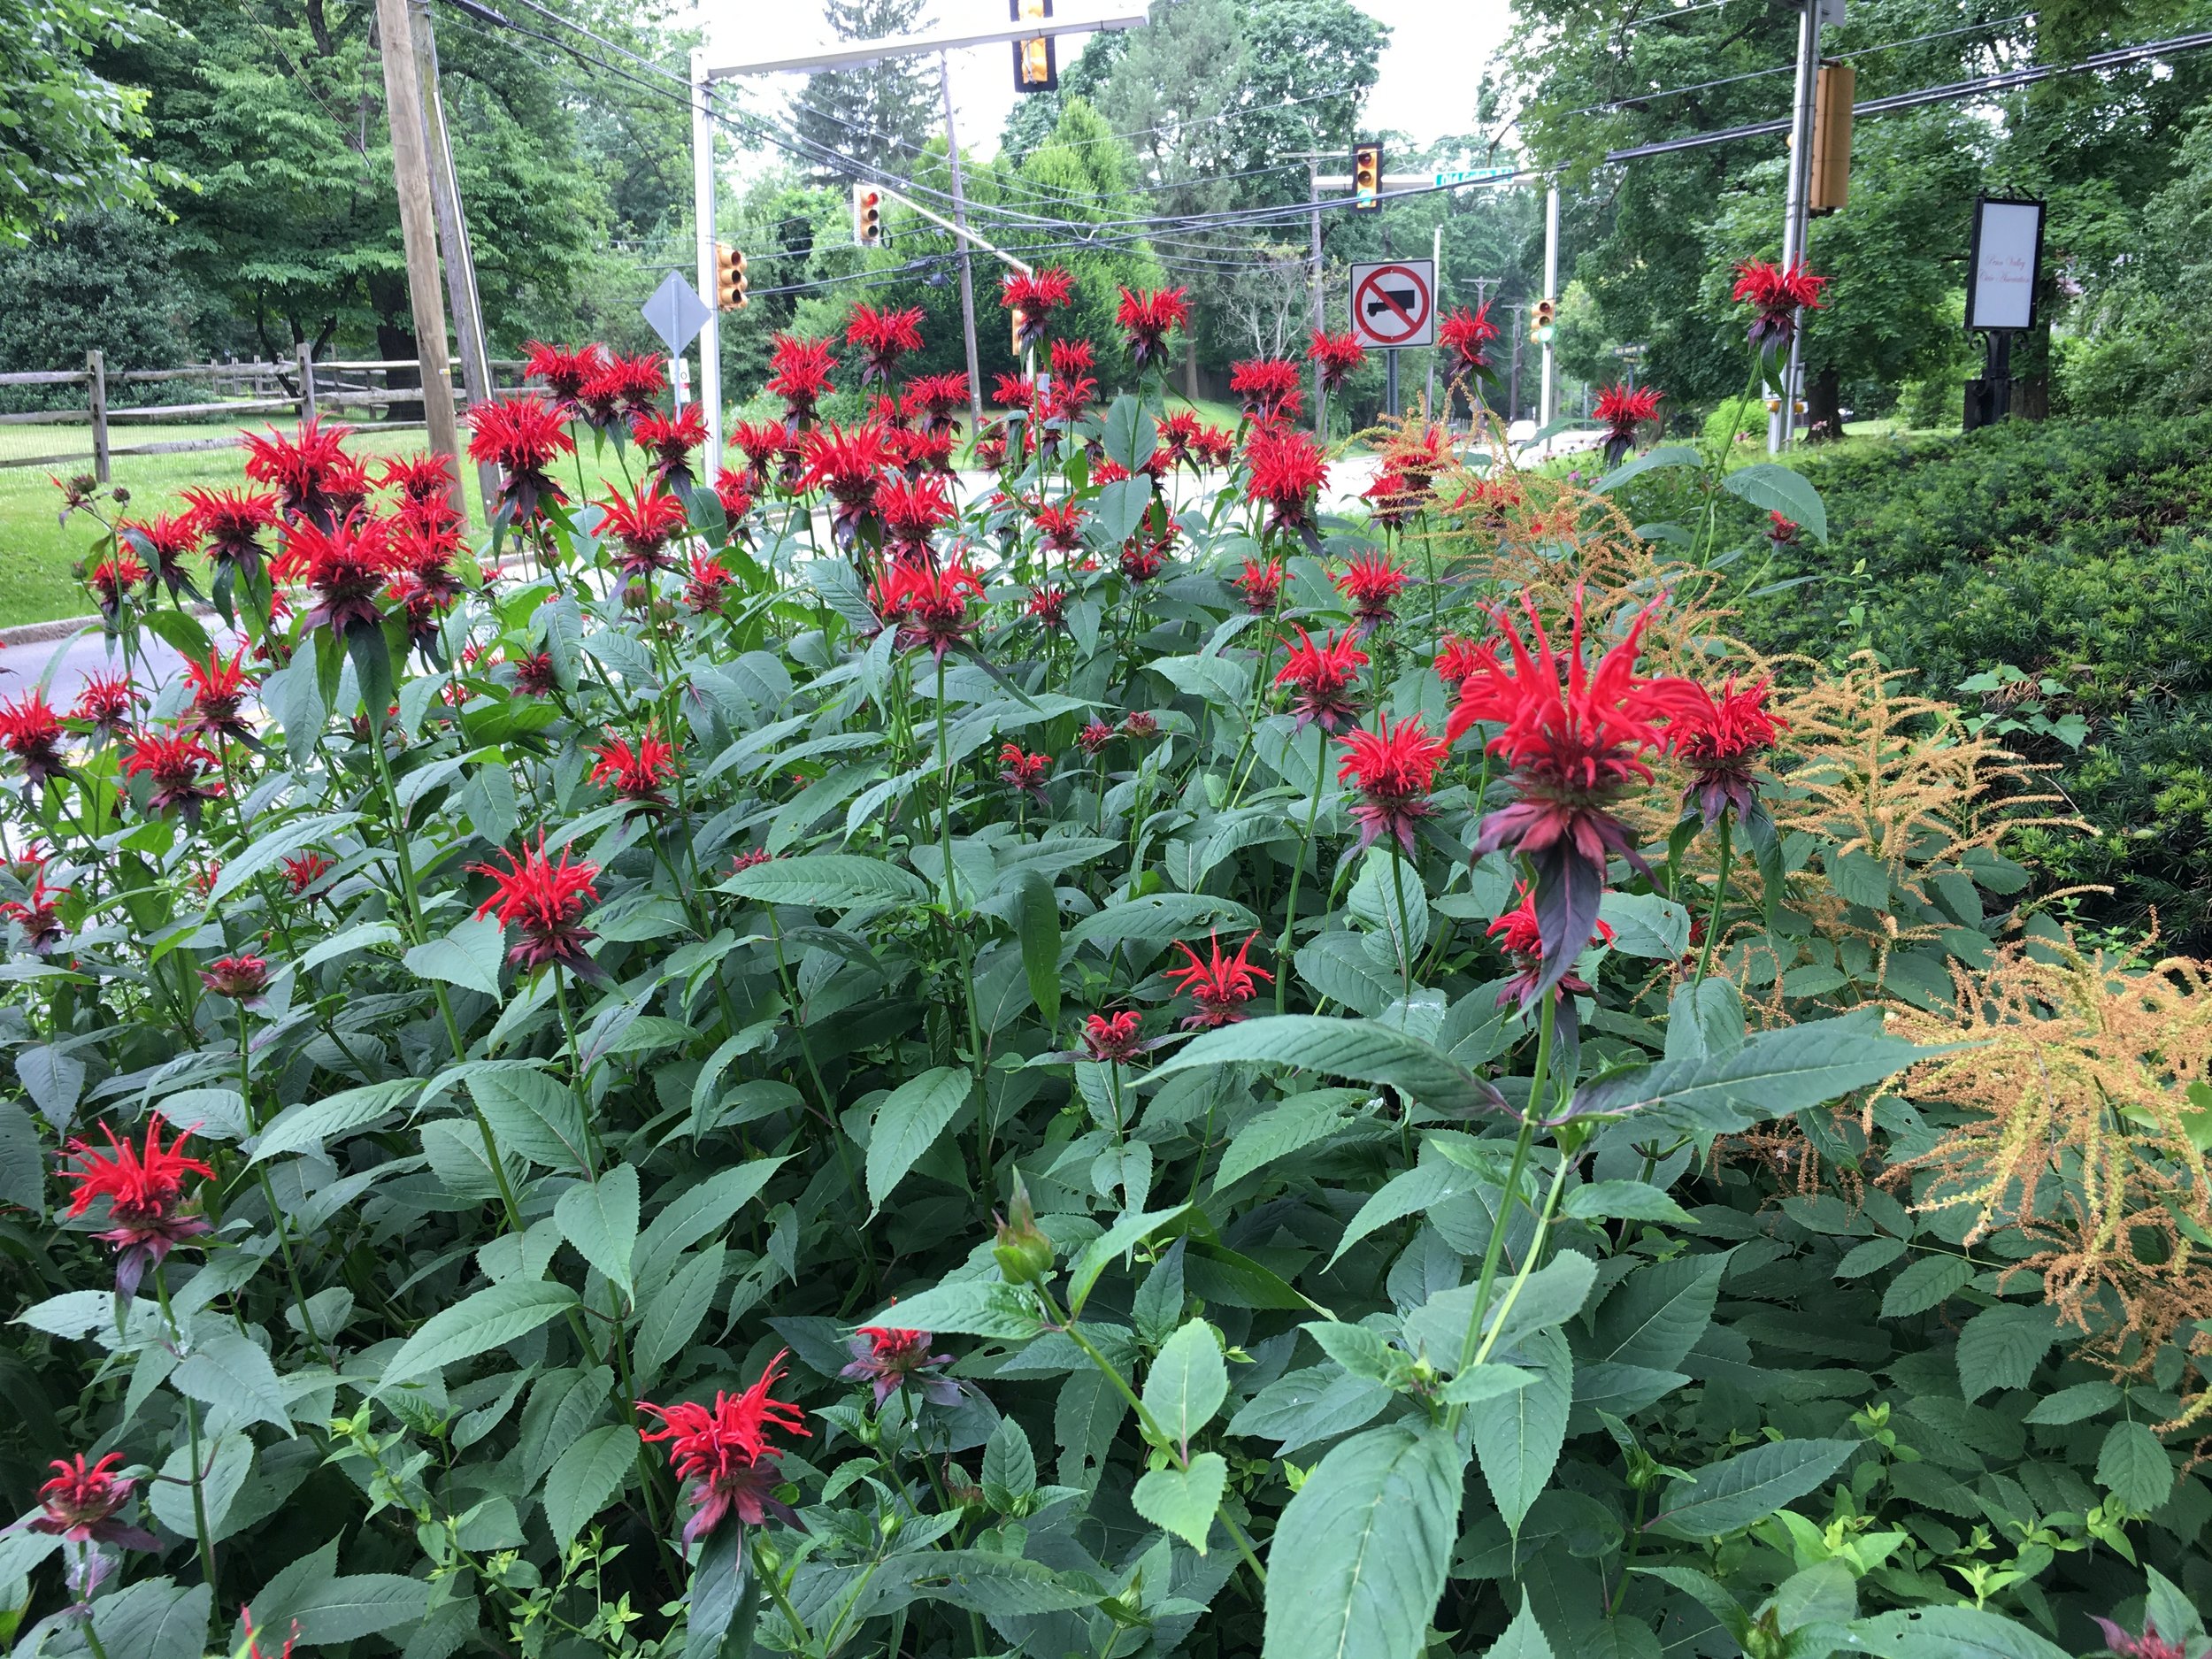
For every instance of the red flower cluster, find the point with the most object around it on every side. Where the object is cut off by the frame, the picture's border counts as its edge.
(1061, 527)
(887, 1358)
(932, 399)
(1775, 293)
(144, 1188)
(1049, 606)
(1322, 677)
(564, 370)
(911, 509)
(1033, 298)
(1287, 472)
(80, 1504)
(1720, 737)
(105, 702)
(545, 900)
(1147, 319)
(884, 336)
(621, 385)
(1112, 1038)
(345, 566)
(166, 540)
(927, 604)
(1464, 333)
(644, 524)
(112, 580)
(229, 522)
(1024, 773)
(799, 372)
(241, 978)
(705, 586)
(218, 695)
(1261, 582)
(521, 436)
(726, 1453)
(1338, 357)
(1371, 582)
(2150, 1645)
(38, 913)
(1622, 409)
(1268, 387)
(1219, 986)
(1394, 770)
(178, 763)
(309, 470)
(1094, 736)
(671, 440)
(32, 733)
(1576, 737)
(302, 871)
(847, 464)
(1521, 937)
(635, 774)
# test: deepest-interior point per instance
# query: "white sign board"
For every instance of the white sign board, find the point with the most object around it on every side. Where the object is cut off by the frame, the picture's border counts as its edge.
(1393, 303)
(2007, 249)
(676, 313)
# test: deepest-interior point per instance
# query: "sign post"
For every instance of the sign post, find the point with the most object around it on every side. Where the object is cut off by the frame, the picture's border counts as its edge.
(1393, 306)
(2004, 266)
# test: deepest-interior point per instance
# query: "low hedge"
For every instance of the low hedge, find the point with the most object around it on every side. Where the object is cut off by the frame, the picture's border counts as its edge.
(2079, 552)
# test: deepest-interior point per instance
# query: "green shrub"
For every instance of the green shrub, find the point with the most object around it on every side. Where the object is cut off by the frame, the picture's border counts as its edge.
(2077, 553)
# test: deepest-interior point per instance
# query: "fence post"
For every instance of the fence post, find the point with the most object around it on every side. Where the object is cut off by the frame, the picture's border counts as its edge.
(96, 395)
(306, 349)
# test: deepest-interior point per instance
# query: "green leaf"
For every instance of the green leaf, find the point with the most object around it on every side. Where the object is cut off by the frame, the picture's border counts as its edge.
(1000, 1586)
(1009, 1464)
(1728, 1496)
(1120, 508)
(2075, 1404)
(359, 1604)
(1359, 1557)
(842, 882)
(1408, 1193)
(2133, 1467)
(1518, 1435)
(1949, 1632)
(153, 1619)
(1109, 1247)
(672, 1314)
(1129, 434)
(1183, 1500)
(22, 1180)
(1650, 460)
(1928, 1283)
(1551, 1295)
(468, 956)
(1779, 489)
(696, 1212)
(1775, 1073)
(534, 1114)
(1647, 925)
(1041, 944)
(1523, 1638)
(599, 1219)
(228, 1370)
(1870, 1257)
(1280, 1130)
(493, 1316)
(310, 1124)
(722, 1593)
(267, 846)
(2001, 1347)
(1485, 1381)
(1358, 1048)
(1188, 1382)
(1157, 919)
(227, 1463)
(968, 1307)
(586, 1477)
(1623, 1201)
(909, 1121)
(1655, 1317)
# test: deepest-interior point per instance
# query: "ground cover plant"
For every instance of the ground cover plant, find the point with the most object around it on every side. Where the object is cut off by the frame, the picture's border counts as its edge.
(777, 1062)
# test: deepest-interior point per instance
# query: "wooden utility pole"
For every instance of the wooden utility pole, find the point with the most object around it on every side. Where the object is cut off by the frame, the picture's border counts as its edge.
(967, 271)
(410, 169)
(453, 237)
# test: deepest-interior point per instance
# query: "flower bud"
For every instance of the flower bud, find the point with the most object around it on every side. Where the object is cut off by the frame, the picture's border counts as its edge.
(1023, 1252)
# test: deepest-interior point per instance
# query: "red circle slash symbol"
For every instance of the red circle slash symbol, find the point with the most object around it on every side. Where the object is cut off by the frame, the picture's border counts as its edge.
(1391, 305)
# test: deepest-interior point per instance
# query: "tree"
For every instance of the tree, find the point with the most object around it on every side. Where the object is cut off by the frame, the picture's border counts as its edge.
(69, 127)
(881, 115)
(92, 280)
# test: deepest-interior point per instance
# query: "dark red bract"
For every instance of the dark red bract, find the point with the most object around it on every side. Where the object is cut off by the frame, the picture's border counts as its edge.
(1393, 769)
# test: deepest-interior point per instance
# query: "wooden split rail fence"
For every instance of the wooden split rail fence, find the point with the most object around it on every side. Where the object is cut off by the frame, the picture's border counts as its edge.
(301, 387)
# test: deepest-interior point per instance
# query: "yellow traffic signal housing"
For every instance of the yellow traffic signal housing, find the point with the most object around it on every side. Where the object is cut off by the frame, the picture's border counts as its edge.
(1366, 177)
(867, 216)
(1036, 65)
(1828, 181)
(729, 278)
(1544, 321)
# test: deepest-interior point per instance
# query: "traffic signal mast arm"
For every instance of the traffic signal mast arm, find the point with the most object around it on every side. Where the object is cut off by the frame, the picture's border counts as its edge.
(939, 219)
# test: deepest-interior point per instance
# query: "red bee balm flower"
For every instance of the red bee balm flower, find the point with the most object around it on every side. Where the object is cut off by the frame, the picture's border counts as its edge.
(1145, 321)
(564, 369)
(2151, 1644)
(1261, 585)
(799, 372)
(521, 436)
(242, 978)
(166, 540)
(1464, 333)
(1519, 936)
(1371, 582)
(1775, 294)
(1576, 737)
(726, 1453)
(1337, 356)
(1288, 471)
(178, 764)
(544, 899)
(1024, 773)
(850, 465)
(105, 702)
(1396, 770)
(644, 524)
(1220, 986)
(637, 774)
(1061, 527)
(346, 567)
(1268, 387)
(911, 509)
(31, 732)
(230, 522)
(1719, 738)
(1049, 606)
(709, 580)
(145, 1193)
(887, 1358)
(671, 440)
(1033, 298)
(219, 692)
(1112, 1038)
(80, 1504)
(308, 469)
(884, 337)
(302, 871)
(1623, 409)
(1323, 676)
(1094, 736)
(112, 580)
(417, 477)
(932, 399)
(39, 915)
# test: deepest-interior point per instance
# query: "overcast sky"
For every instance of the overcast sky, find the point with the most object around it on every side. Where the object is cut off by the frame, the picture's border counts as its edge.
(1436, 54)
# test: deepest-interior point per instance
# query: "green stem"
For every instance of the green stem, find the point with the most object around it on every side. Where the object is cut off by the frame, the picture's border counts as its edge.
(1405, 919)
(1720, 897)
(1528, 1262)
(192, 1433)
(775, 1588)
(959, 933)
(268, 1196)
(1297, 872)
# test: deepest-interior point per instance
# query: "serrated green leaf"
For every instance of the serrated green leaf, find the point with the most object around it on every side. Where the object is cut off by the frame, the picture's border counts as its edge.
(493, 1316)
(310, 1123)
(1361, 1049)
(1928, 1283)
(1188, 1382)
(1518, 1435)
(1183, 1500)
(1730, 1495)
(468, 956)
(2001, 1347)
(967, 1307)
(1522, 1639)
(2134, 1468)
(1041, 944)
(1109, 1247)
(534, 1114)
(359, 1604)
(226, 1370)
(672, 1314)
(841, 881)
(909, 1121)
(586, 1478)
(1782, 489)
(1949, 1632)
(599, 1219)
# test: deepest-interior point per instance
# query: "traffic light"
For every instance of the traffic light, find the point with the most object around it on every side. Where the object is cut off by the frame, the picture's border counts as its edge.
(867, 216)
(1543, 323)
(1036, 65)
(1828, 181)
(729, 278)
(1366, 177)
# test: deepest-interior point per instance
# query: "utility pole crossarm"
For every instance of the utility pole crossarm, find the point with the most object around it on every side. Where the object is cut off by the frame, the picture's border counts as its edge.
(939, 219)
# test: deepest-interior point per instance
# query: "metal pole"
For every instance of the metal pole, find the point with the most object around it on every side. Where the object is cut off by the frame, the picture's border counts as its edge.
(702, 220)
(1390, 381)
(1436, 271)
(1513, 386)
(453, 236)
(967, 268)
(418, 232)
(1547, 405)
(1782, 424)
(1313, 283)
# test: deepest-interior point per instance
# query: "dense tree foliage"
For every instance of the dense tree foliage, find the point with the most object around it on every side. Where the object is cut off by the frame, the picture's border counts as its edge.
(68, 130)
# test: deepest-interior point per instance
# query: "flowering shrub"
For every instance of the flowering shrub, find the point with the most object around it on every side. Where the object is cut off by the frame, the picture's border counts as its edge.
(1112, 1062)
